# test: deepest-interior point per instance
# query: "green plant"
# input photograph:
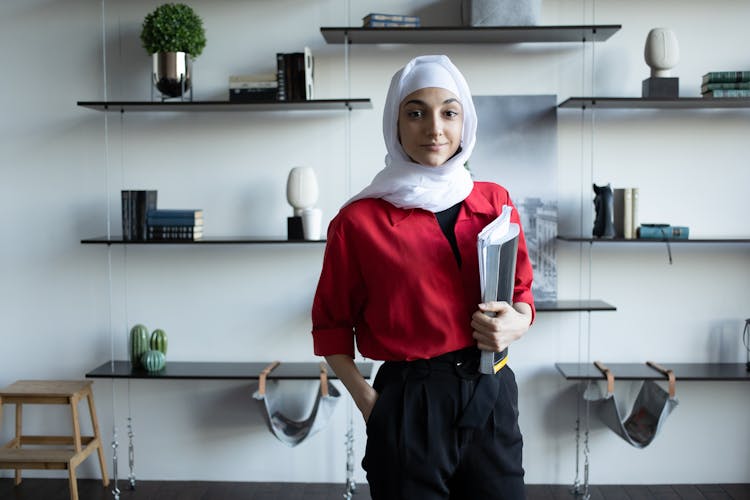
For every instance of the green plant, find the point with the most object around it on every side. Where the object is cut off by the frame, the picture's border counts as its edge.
(173, 28)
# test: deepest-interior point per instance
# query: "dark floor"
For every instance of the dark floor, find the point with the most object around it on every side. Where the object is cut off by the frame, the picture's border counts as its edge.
(57, 489)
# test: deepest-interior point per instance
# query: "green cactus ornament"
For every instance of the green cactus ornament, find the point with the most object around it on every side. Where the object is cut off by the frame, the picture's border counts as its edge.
(153, 360)
(139, 343)
(159, 341)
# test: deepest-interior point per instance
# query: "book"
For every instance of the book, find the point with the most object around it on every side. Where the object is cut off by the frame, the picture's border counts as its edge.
(309, 62)
(625, 212)
(167, 236)
(390, 24)
(174, 221)
(175, 231)
(294, 74)
(135, 205)
(725, 86)
(176, 212)
(298, 76)
(162, 230)
(281, 77)
(663, 232)
(634, 201)
(726, 77)
(727, 93)
(175, 217)
(253, 95)
(374, 16)
(127, 222)
(497, 246)
(195, 213)
(253, 81)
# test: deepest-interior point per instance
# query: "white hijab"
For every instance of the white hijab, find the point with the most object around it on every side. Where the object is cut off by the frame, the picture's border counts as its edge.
(407, 184)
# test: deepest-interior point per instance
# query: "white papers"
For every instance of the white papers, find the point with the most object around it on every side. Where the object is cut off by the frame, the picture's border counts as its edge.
(497, 245)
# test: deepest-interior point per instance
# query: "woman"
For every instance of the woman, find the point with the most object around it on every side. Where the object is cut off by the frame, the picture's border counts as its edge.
(400, 274)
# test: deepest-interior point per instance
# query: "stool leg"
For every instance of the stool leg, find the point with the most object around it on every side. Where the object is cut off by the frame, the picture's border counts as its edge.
(98, 437)
(76, 424)
(72, 482)
(19, 433)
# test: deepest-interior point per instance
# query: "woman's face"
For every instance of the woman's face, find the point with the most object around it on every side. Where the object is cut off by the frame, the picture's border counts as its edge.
(430, 123)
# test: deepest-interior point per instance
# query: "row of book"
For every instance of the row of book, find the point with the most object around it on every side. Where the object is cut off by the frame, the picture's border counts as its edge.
(662, 232)
(135, 204)
(375, 20)
(625, 212)
(293, 81)
(720, 84)
(174, 224)
(142, 220)
(625, 215)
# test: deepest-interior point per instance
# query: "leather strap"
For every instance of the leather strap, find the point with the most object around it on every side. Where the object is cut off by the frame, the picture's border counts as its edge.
(607, 373)
(668, 373)
(262, 378)
(323, 379)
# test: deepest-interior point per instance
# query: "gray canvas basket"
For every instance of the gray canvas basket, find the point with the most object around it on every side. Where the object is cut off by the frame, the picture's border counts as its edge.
(500, 12)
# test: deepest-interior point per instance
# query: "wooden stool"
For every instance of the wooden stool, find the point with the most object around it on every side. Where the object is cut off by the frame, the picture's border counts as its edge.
(62, 455)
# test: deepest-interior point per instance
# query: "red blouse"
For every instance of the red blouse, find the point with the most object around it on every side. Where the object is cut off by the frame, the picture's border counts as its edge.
(390, 279)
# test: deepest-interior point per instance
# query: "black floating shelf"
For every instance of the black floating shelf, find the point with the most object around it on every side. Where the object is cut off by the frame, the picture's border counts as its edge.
(192, 106)
(481, 34)
(654, 103)
(672, 241)
(212, 240)
(217, 371)
(573, 305)
(641, 371)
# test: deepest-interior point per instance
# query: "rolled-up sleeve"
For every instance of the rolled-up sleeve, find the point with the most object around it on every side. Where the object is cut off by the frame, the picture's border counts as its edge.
(339, 295)
(524, 272)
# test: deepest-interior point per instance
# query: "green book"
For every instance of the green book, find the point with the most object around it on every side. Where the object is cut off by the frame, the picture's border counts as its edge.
(725, 86)
(727, 93)
(726, 77)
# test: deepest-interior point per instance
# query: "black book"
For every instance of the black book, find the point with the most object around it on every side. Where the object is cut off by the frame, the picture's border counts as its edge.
(281, 77)
(298, 76)
(141, 201)
(253, 95)
(127, 224)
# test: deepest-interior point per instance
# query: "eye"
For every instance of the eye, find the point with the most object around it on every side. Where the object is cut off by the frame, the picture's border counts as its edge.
(451, 113)
(414, 113)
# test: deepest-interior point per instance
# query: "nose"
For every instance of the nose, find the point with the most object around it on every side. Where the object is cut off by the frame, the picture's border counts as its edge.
(434, 126)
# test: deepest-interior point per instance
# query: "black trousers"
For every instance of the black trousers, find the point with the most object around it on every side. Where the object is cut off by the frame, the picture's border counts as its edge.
(439, 430)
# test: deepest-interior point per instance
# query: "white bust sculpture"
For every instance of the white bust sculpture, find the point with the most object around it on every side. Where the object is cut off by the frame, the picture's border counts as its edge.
(661, 52)
(302, 189)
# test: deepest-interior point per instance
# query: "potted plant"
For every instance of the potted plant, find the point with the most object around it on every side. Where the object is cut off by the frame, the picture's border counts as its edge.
(172, 34)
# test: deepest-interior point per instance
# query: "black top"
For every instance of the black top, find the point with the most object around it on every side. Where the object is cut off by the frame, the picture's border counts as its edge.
(447, 220)
(217, 370)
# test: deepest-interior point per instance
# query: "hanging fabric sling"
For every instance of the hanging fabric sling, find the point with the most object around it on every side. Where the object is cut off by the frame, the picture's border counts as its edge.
(652, 407)
(284, 407)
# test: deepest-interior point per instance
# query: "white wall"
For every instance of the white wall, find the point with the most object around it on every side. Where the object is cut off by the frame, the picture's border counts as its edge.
(65, 313)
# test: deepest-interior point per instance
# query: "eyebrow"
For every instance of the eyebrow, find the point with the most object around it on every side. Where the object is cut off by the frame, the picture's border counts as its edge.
(420, 102)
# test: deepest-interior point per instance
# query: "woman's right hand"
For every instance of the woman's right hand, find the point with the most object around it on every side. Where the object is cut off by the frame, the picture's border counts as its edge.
(363, 394)
(366, 402)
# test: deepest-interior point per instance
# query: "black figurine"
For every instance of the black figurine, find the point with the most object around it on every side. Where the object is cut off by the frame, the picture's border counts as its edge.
(604, 226)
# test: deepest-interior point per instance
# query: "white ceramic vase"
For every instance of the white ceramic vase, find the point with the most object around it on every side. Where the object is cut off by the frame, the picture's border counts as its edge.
(662, 53)
(302, 189)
